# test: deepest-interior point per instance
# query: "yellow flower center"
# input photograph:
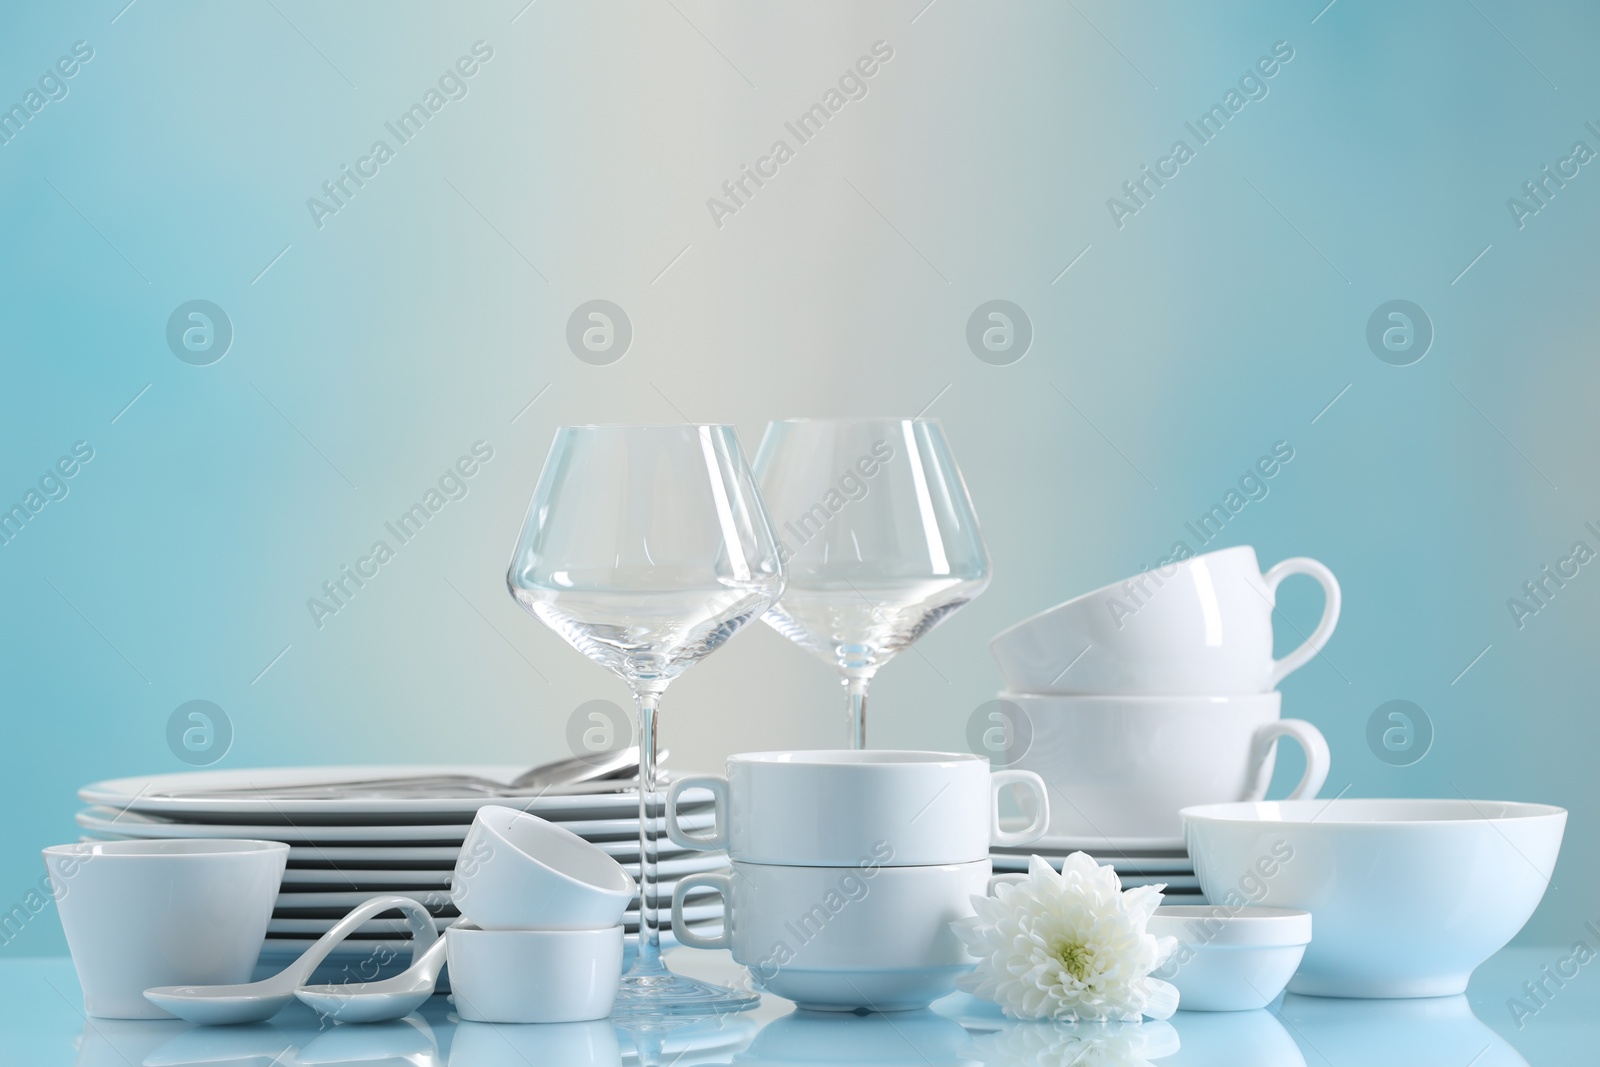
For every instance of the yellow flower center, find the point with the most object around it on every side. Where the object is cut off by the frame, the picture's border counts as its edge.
(1076, 958)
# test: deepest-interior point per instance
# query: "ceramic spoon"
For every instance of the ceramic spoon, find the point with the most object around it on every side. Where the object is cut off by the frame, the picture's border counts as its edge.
(253, 1002)
(376, 1002)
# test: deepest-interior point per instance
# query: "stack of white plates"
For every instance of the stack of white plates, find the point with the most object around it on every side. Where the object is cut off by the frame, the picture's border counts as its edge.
(344, 850)
(1137, 861)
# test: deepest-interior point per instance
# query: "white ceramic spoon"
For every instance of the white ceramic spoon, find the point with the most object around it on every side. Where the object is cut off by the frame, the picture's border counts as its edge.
(376, 1002)
(253, 1002)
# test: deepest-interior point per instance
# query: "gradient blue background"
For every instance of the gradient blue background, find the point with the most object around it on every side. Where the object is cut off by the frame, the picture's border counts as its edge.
(425, 315)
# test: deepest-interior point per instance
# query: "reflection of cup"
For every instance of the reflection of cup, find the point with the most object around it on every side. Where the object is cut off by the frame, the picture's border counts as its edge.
(154, 913)
(119, 1042)
(842, 938)
(836, 807)
(533, 976)
(409, 1041)
(1236, 1038)
(1201, 625)
(825, 1039)
(1122, 766)
(1378, 1033)
(518, 871)
(586, 1044)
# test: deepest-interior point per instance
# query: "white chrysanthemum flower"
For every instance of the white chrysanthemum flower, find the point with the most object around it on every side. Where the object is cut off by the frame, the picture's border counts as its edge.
(1069, 946)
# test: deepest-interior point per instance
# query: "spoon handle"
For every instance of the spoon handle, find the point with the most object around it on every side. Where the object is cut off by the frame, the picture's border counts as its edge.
(422, 940)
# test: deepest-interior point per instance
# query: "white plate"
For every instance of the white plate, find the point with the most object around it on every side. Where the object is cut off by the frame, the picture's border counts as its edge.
(1123, 864)
(383, 880)
(276, 952)
(624, 852)
(173, 795)
(378, 928)
(345, 900)
(139, 825)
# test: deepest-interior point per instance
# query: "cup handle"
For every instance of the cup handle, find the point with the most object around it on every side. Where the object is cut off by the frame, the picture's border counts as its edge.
(718, 837)
(1035, 829)
(680, 927)
(1310, 739)
(1282, 668)
(1004, 879)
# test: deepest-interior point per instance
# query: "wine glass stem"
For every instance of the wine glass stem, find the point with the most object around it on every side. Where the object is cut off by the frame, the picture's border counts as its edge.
(857, 724)
(649, 957)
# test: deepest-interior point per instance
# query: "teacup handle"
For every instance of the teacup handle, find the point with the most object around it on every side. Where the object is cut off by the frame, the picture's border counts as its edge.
(1282, 668)
(680, 927)
(1310, 739)
(1035, 829)
(1005, 879)
(718, 837)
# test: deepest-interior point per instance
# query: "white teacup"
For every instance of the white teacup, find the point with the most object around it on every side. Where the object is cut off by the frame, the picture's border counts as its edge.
(837, 807)
(534, 976)
(1200, 625)
(842, 938)
(139, 914)
(1120, 767)
(518, 871)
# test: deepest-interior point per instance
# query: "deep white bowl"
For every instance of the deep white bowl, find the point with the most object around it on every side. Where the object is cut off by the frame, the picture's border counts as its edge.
(533, 976)
(1407, 896)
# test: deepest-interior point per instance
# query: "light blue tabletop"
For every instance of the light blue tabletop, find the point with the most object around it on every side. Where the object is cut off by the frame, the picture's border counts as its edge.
(1558, 1022)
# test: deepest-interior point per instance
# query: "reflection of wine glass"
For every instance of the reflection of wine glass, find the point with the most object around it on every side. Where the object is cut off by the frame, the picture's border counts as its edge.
(647, 547)
(877, 536)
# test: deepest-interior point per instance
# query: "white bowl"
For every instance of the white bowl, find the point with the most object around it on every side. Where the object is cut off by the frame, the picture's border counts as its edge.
(1408, 896)
(1230, 959)
(154, 913)
(534, 976)
(517, 871)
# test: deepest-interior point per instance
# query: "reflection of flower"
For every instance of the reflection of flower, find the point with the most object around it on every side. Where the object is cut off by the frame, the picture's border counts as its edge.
(1069, 946)
(1078, 1044)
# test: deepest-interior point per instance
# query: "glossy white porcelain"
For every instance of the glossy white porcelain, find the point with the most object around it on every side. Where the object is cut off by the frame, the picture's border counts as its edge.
(1407, 896)
(1120, 767)
(146, 913)
(837, 807)
(533, 976)
(518, 871)
(842, 938)
(1200, 625)
(253, 1002)
(1230, 959)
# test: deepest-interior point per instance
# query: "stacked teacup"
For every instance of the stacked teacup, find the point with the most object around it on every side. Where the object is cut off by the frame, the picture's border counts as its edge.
(848, 868)
(1156, 693)
(541, 936)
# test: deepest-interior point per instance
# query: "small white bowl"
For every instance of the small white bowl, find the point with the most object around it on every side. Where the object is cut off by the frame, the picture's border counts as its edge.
(1230, 958)
(533, 976)
(519, 872)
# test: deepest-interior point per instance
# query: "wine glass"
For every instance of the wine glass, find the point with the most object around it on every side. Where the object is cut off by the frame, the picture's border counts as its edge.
(646, 548)
(877, 538)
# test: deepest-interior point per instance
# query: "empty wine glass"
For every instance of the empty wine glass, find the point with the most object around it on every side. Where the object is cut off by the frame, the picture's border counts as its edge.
(877, 536)
(646, 548)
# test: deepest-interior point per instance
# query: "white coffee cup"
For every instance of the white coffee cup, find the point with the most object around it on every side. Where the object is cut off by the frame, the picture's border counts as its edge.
(1120, 767)
(139, 914)
(533, 976)
(837, 807)
(841, 938)
(1200, 625)
(518, 871)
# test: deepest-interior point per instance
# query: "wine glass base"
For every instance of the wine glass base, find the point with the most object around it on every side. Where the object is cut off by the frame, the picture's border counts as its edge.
(665, 993)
